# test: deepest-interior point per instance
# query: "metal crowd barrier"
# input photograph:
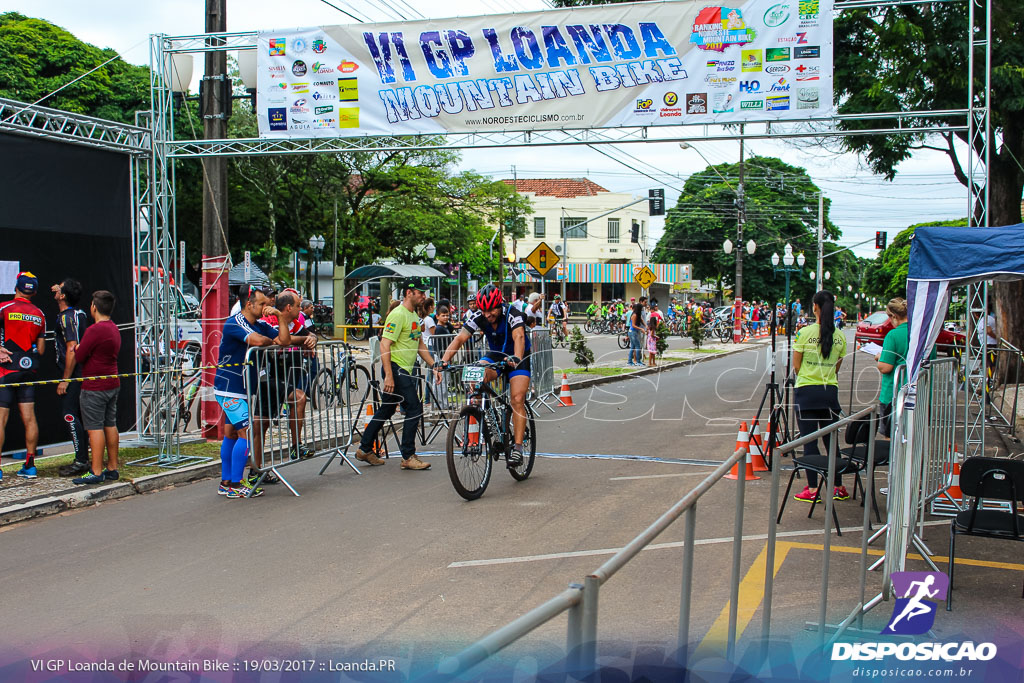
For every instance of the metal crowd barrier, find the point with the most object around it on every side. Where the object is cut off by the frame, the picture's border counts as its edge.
(542, 366)
(1005, 375)
(299, 399)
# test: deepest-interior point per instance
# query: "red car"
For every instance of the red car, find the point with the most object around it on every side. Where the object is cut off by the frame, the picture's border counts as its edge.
(874, 328)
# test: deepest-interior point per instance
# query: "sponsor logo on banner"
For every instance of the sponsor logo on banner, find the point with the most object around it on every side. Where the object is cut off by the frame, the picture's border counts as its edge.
(697, 103)
(722, 103)
(777, 102)
(750, 86)
(809, 11)
(722, 64)
(299, 124)
(348, 117)
(278, 88)
(776, 15)
(799, 39)
(665, 112)
(716, 28)
(319, 46)
(747, 105)
(347, 67)
(670, 99)
(321, 84)
(299, 45)
(276, 46)
(324, 123)
(348, 89)
(780, 85)
(323, 110)
(324, 96)
(299, 106)
(299, 68)
(917, 595)
(720, 81)
(807, 73)
(321, 68)
(807, 98)
(276, 99)
(277, 72)
(644, 106)
(300, 87)
(809, 52)
(278, 117)
(777, 69)
(776, 54)
(752, 60)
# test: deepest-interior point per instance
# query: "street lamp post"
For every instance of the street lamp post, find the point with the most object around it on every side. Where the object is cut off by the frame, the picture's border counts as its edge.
(787, 268)
(737, 313)
(316, 248)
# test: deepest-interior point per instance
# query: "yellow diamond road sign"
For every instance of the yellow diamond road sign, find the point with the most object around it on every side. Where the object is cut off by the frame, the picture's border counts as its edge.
(645, 277)
(543, 259)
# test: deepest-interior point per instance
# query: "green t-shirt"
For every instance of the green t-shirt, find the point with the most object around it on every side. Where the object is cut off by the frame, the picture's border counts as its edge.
(895, 348)
(403, 329)
(815, 370)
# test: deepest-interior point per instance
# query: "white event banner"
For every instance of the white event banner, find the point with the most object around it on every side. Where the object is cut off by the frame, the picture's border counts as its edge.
(643, 64)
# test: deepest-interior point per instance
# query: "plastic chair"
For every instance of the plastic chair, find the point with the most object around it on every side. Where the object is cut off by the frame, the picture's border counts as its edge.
(988, 479)
(819, 465)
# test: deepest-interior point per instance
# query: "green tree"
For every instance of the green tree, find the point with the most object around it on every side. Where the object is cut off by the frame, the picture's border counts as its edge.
(781, 207)
(38, 58)
(886, 276)
(583, 356)
(914, 58)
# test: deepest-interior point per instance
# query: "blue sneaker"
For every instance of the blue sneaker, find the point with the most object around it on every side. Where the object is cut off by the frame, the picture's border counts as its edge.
(111, 475)
(27, 472)
(1, 475)
(89, 478)
(223, 490)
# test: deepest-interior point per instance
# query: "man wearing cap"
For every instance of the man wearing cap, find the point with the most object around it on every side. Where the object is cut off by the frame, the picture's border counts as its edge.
(400, 343)
(21, 346)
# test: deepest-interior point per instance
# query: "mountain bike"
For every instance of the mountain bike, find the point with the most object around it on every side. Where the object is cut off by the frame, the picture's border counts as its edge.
(329, 387)
(559, 339)
(482, 434)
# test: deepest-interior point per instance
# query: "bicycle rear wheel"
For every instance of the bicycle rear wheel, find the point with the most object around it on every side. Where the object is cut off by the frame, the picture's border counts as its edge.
(623, 339)
(469, 463)
(358, 382)
(323, 394)
(529, 448)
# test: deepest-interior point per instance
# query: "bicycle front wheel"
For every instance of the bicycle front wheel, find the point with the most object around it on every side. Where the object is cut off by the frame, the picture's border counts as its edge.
(623, 340)
(529, 449)
(469, 463)
(324, 395)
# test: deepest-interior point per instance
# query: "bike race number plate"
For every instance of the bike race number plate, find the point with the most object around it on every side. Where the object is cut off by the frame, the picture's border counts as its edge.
(473, 373)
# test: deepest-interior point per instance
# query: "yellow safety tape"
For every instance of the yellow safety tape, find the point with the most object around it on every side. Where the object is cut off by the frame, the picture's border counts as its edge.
(40, 382)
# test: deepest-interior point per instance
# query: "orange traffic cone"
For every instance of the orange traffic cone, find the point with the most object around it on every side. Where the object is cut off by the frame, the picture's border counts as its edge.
(367, 414)
(473, 433)
(743, 441)
(954, 491)
(565, 395)
(757, 449)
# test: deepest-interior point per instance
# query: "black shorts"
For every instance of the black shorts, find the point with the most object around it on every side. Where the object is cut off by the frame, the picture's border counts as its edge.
(11, 395)
(268, 400)
(521, 370)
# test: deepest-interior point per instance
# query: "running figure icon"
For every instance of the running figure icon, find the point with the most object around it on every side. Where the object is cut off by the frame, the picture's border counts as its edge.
(914, 605)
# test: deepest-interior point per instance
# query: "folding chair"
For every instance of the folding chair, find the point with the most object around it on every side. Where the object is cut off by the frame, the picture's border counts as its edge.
(819, 465)
(988, 479)
(856, 437)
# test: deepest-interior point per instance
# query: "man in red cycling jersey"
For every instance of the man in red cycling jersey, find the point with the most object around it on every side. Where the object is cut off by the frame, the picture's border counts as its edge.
(21, 347)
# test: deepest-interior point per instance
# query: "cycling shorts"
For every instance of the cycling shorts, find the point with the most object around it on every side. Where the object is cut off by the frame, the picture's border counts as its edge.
(521, 370)
(11, 395)
(236, 410)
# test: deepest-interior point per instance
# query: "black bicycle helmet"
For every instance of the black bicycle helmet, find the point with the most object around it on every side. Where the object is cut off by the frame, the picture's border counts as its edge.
(489, 298)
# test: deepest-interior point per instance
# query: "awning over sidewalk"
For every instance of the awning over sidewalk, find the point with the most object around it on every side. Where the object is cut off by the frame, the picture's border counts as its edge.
(396, 270)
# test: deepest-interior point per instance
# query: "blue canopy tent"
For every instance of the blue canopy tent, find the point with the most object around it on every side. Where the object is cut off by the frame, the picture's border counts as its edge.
(942, 256)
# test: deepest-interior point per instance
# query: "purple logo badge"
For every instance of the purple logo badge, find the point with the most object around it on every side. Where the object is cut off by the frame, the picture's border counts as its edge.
(914, 610)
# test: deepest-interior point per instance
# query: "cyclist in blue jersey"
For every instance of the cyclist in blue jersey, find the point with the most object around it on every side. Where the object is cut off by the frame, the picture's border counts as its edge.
(241, 331)
(505, 329)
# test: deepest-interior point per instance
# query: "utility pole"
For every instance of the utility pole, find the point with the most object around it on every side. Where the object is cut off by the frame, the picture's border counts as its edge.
(821, 235)
(214, 107)
(737, 310)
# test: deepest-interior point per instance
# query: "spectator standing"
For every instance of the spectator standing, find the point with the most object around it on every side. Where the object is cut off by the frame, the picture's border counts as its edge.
(71, 323)
(636, 336)
(307, 312)
(443, 326)
(97, 352)
(22, 327)
(818, 352)
(241, 331)
(427, 322)
(895, 347)
(402, 342)
(652, 339)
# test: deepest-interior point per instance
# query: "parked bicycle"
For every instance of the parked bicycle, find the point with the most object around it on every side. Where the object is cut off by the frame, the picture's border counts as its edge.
(482, 434)
(329, 387)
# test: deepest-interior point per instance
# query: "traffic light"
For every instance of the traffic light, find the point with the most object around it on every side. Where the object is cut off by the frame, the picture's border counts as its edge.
(634, 233)
(880, 236)
(656, 202)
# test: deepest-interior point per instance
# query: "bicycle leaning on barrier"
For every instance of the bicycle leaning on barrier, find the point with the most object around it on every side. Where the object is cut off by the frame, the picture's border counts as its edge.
(483, 433)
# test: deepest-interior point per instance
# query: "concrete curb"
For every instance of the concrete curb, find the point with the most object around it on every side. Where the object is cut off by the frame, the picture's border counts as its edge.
(79, 498)
(84, 497)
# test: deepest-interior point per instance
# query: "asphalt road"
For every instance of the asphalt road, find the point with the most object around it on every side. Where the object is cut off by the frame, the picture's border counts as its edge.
(393, 563)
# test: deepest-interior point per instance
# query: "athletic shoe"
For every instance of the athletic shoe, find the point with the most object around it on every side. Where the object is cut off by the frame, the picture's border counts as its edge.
(807, 495)
(269, 478)
(73, 469)
(840, 493)
(515, 458)
(223, 490)
(304, 452)
(243, 492)
(414, 463)
(26, 472)
(89, 479)
(111, 475)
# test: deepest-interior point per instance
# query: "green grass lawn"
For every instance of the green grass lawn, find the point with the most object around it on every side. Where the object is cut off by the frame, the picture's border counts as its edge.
(595, 371)
(47, 467)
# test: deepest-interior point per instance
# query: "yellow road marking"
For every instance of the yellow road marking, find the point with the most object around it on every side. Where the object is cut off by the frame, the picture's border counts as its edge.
(751, 591)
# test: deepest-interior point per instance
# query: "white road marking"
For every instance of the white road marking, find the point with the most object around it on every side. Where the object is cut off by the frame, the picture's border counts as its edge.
(711, 434)
(659, 476)
(653, 546)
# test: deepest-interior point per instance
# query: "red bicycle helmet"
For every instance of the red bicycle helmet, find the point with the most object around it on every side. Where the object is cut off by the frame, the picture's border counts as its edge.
(489, 298)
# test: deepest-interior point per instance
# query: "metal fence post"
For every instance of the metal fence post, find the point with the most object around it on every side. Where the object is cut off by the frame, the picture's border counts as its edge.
(737, 548)
(588, 642)
(827, 484)
(574, 632)
(689, 534)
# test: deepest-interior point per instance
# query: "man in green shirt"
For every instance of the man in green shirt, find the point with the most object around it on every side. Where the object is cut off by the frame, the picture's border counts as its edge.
(400, 343)
(591, 311)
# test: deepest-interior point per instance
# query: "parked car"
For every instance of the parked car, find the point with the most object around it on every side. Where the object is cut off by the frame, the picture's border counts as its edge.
(874, 328)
